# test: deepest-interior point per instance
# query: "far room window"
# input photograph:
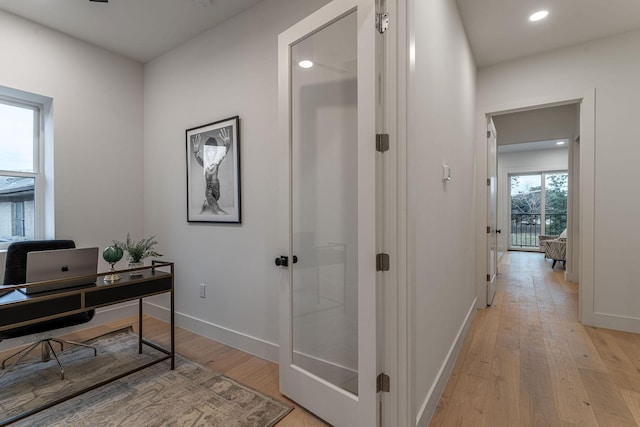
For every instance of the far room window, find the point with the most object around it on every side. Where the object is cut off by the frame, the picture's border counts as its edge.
(21, 170)
(538, 205)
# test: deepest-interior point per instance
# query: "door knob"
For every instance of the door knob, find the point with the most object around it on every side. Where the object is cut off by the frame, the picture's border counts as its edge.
(498, 231)
(283, 261)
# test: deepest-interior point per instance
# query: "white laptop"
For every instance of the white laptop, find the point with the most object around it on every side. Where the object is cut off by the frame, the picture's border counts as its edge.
(60, 264)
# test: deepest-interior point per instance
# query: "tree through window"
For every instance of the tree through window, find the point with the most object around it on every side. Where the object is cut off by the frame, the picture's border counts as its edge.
(538, 207)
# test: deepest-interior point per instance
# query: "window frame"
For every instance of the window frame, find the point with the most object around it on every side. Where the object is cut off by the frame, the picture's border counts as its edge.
(38, 174)
(543, 212)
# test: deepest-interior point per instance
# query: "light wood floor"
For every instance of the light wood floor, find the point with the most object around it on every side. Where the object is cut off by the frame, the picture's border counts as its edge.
(243, 367)
(527, 361)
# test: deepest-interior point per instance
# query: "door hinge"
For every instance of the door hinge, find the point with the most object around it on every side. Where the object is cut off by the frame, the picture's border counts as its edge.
(488, 229)
(488, 181)
(382, 262)
(383, 383)
(382, 22)
(382, 142)
(489, 134)
(488, 278)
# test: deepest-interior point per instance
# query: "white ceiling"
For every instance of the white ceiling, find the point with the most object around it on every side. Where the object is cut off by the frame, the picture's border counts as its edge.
(533, 146)
(138, 29)
(499, 30)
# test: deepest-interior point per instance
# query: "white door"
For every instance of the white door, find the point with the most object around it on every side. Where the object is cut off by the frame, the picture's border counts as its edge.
(492, 228)
(327, 114)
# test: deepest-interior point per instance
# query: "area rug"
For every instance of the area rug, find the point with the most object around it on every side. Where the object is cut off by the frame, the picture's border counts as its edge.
(190, 395)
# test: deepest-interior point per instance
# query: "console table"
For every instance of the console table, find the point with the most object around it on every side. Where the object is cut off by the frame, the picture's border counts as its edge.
(18, 309)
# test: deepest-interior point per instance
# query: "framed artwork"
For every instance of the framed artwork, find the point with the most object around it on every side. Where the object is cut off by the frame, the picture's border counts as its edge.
(213, 172)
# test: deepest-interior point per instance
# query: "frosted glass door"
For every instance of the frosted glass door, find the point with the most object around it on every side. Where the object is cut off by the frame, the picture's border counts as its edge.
(327, 87)
(325, 204)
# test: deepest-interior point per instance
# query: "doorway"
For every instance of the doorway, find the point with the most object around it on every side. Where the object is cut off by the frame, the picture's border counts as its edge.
(538, 178)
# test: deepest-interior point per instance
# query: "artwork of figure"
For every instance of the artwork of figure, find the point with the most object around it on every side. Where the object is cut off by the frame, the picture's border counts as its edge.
(213, 172)
(209, 154)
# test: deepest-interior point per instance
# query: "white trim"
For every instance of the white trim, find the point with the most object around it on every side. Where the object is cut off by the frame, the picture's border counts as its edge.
(395, 357)
(617, 322)
(263, 349)
(247, 343)
(492, 270)
(406, 98)
(572, 270)
(44, 221)
(587, 100)
(430, 402)
(48, 223)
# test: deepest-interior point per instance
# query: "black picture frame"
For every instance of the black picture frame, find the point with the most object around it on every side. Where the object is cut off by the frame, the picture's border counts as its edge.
(213, 172)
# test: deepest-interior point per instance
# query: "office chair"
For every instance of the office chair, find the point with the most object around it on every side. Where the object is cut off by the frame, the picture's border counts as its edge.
(15, 273)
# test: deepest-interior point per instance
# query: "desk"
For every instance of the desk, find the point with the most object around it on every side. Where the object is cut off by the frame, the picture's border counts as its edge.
(18, 309)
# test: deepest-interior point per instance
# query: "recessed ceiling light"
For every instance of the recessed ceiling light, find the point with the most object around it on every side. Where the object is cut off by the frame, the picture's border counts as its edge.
(305, 63)
(560, 143)
(541, 14)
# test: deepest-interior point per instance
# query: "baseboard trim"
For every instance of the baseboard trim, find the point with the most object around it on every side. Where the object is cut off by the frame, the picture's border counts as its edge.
(244, 342)
(428, 407)
(615, 321)
(247, 343)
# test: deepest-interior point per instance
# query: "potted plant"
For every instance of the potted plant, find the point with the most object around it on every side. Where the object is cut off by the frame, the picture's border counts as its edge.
(138, 251)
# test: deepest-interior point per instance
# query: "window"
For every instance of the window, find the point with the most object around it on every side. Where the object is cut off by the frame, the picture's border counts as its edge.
(18, 218)
(538, 205)
(21, 169)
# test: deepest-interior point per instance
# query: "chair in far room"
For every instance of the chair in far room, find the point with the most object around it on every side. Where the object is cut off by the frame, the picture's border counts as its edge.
(15, 274)
(556, 250)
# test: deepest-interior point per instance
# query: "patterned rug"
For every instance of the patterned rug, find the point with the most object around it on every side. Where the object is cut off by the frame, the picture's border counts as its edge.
(155, 396)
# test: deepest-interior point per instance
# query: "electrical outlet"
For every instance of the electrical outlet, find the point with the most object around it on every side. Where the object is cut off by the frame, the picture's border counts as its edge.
(203, 287)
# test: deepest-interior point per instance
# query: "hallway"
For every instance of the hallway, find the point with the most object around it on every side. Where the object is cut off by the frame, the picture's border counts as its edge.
(527, 361)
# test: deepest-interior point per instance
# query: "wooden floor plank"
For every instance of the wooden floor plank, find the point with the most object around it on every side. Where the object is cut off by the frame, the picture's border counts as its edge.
(632, 399)
(480, 355)
(502, 402)
(606, 399)
(571, 399)
(620, 367)
(630, 343)
(547, 369)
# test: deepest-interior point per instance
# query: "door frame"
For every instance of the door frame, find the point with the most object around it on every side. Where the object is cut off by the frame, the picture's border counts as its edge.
(492, 271)
(396, 406)
(586, 197)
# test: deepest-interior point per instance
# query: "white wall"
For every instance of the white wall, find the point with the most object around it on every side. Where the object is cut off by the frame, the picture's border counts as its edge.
(441, 261)
(542, 124)
(229, 70)
(98, 111)
(523, 162)
(610, 66)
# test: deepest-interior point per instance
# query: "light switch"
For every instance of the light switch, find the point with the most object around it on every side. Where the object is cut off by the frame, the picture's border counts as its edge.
(446, 173)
